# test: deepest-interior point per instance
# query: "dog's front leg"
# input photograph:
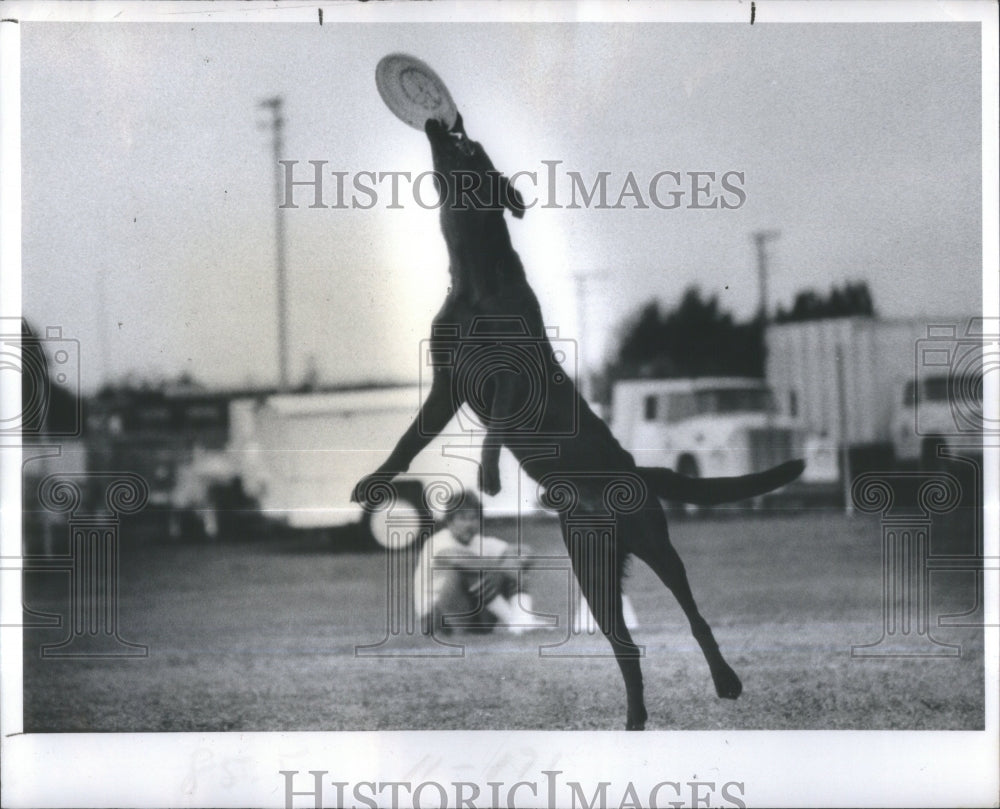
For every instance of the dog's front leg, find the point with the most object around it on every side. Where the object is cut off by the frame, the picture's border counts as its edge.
(489, 469)
(435, 413)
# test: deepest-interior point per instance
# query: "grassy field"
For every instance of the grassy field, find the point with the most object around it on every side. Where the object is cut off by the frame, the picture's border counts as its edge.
(262, 636)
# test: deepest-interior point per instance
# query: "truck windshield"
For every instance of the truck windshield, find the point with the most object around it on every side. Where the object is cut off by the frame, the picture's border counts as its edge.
(943, 388)
(935, 389)
(734, 400)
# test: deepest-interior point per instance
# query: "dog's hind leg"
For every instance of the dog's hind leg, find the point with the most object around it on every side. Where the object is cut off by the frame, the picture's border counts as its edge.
(662, 557)
(598, 568)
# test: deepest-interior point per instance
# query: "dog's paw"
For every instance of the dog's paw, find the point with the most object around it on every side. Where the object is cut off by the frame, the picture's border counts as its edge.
(727, 683)
(489, 481)
(371, 488)
(357, 493)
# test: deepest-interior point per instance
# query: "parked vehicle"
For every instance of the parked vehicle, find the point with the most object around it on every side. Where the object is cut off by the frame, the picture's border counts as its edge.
(929, 409)
(707, 427)
(299, 455)
(44, 530)
(887, 390)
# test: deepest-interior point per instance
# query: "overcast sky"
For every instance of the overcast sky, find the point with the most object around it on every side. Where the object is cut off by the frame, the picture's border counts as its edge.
(148, 204)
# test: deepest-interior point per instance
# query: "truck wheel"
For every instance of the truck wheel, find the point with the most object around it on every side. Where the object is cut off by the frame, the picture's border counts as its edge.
(397, 533)
(929, 459)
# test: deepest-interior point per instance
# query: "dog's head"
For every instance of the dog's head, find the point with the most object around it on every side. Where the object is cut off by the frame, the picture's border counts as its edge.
(470, 180)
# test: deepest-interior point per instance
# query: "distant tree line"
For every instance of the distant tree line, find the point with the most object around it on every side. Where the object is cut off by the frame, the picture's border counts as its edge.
(851, 300)
(697, 338)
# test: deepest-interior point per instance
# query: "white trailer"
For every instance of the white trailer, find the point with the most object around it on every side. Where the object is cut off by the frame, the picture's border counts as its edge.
(299, 455)
(854, 379)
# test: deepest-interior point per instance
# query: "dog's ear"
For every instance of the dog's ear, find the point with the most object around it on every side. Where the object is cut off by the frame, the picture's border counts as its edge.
(459, 125)
(511, 198)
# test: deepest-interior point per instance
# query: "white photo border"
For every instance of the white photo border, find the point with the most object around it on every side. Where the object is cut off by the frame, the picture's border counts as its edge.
(777, 768)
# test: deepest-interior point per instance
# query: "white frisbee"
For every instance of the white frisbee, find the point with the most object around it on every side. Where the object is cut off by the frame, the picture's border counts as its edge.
(378, 524)
(413, 91)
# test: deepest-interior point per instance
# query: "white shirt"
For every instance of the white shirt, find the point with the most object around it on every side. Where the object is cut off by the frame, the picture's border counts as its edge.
(444, 546)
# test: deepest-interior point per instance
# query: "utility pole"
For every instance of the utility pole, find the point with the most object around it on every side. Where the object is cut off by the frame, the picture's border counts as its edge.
(584, 380)
(277, 125)
(842, 428)
(761, 238)
(103, 313)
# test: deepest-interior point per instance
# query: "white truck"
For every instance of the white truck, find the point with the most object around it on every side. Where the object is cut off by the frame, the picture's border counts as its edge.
(299, 455)
(894, 389)
(932, 410)
(711, 427)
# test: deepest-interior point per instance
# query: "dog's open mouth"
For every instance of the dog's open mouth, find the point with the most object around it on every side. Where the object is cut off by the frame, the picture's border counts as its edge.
(460, 139)
(463, 144)
(456, 134)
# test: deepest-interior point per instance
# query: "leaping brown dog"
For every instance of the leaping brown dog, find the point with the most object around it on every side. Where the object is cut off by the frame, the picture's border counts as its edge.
(544, 422)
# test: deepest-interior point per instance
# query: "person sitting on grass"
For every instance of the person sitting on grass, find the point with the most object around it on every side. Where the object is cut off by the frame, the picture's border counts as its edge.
(464, 579)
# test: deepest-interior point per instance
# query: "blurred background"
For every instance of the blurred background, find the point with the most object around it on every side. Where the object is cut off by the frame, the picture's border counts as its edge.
(156, 255)
(250, 362)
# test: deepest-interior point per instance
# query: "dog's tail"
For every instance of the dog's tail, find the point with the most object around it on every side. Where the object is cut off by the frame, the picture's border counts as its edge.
(711, 491)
